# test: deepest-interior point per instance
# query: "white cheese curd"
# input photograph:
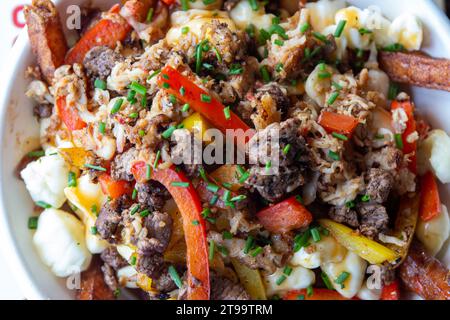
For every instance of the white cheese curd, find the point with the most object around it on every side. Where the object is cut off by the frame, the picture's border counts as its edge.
(127, 277)
(407, 30)
(125, 251)
(369, 294)
(324, 251)
(434, 154)
(46, 178)
(243, 15)
(300, 278)
(435, 232)
(60, 242)
(378, 81)
(372, 19)
(323, 12)
(341, 42)
(194, 20)
(199, 4)
(317, 88)
(355, 266)
(88, 197)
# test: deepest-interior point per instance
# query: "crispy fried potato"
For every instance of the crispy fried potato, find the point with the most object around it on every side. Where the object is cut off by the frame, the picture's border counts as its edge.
(425, 275)
(46, 36)
(416, 69)
(93, 286)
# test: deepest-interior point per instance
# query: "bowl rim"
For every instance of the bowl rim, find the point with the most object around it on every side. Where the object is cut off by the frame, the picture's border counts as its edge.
(9, 248)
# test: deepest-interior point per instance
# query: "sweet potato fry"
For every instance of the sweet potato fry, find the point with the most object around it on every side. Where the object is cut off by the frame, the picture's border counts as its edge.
(425, 275)
(93, 287)
(46, 36)
(417, 69)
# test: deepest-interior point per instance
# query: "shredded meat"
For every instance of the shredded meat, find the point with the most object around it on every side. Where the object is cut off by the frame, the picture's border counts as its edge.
(150, 264)
(152, 194)
(373, 217)
(121, 165)
(43, 111)
(344, 215)
(159, 228)
(224, 289)
(111, 257)
(99, 61)
(388, 158)
(110, 217)
(379, 185)
(109, 276)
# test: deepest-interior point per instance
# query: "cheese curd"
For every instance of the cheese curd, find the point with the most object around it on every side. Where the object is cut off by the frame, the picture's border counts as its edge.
(243, 14)
(434, 154)
(407, 30)
(324, 251)
(127, 277)
(355, 266)
(300, 278)
(88, 198)
(46, 178)
(322, 13)
(435, 232)
(60, 242)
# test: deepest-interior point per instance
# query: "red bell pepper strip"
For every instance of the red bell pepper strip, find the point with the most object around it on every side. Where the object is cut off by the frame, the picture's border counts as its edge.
(408, 147)
(213, 110)
(112, 188)
(317, 294)
(285, 216)
(391, 291)
(105, 33)
(338, 123)
(69, 115)
(168, 2)
(190, 207)
(430, 202)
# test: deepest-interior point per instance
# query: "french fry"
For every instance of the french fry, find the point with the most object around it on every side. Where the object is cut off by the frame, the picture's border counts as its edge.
(46, 36)
(93, 286)
(416, 69)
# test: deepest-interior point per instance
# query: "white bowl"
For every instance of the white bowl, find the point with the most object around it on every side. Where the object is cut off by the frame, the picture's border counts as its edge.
(20, 131)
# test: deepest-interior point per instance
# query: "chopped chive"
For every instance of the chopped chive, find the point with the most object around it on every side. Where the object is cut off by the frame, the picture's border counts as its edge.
(148, 172)
(320, 37)
(339, 136)
(240, 170)
(133, 115)
(211, 220)
(212, 187)
(206, 212)
(43, 204)
(299, 199)
(277, 29)
(226, 112)
(102, 127)
(149, 17)
(158, 155)
(227, 235)
(265, 74)
(309, 291)
(135, 209)
(340, 27)
(133, 260)
(254, 5)
(182, 91)
(144, 213)
(175, 277)
(154, 74)
(287, 270)
(248, 244)
(72, 179)
(184, 5)
(393, 91)
(301, 297)
(398, 141)
(279, 67)
(203, 174)
(336, 85)
(195, 222)
(185, 30)
(211, 250)
(363, 31)
(244, 177)
(32, 223)
(268, 165)
(218, 55)
(144, 101)
(396, 47)
(324, 75)
(139, 88)
(332, 98)
(117, 105)
(315, 234)
(226, 196)
(287, 148)
(301, 240)
(333, 155)
(100, 84)
(94, 209)
(280, 280)
(36, 154)
(278, 42)
(255, 252)
(350, 204)
(93, 230)
(141, 133)
(238, 198)
(199, 57)
(166, 85)
(341, 278)
(93, 167)
(304, 27)
(236, 69)
(205, 98)
(326, 281)
(365, 198)
(180, 184)
(223, 250)
(168, 132)
(185, 107)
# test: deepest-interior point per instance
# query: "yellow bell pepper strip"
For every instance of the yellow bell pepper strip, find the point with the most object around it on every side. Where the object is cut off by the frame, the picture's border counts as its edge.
(198, 99)
(405, 225)
(367, 249)
(197, 124)
(251, 280)
(190, 207)
(430, 202)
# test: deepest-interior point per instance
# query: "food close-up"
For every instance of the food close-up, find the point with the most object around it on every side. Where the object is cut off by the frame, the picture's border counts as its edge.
(353, 208)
